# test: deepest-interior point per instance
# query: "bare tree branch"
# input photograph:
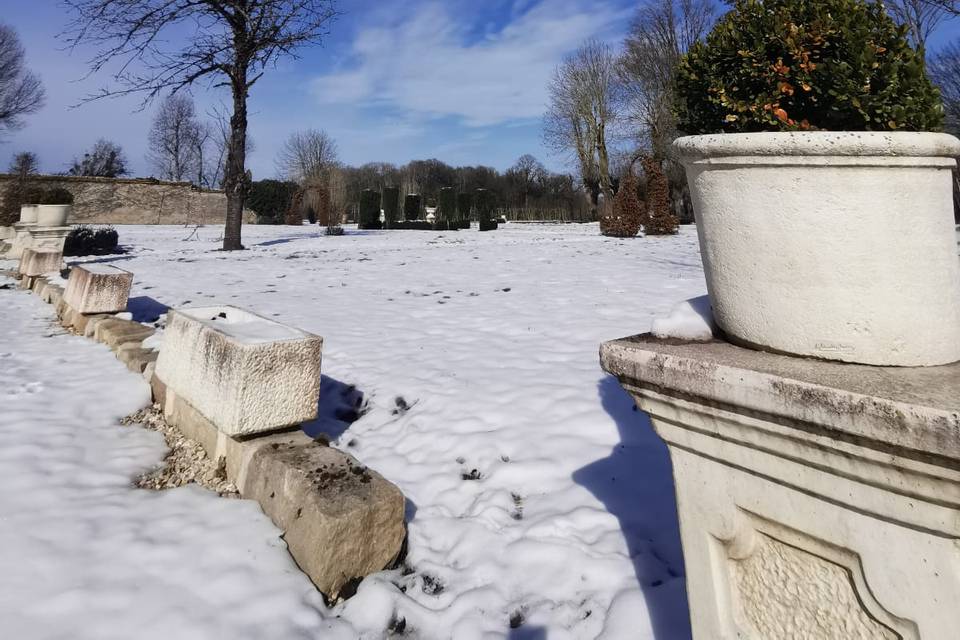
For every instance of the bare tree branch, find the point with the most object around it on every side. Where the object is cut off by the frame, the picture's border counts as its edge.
(21, 92)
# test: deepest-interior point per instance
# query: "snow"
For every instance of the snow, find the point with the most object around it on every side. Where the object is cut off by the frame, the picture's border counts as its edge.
(243, 326)
(87, 555)
(538, 496)
(689, 320)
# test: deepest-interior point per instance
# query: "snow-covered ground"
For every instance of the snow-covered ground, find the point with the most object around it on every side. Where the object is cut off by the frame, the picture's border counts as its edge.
(538, 497)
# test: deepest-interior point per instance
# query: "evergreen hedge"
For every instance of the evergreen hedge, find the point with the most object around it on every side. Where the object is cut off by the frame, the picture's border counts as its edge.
(270, 200)
(411, 207)
(447, 204)
(793, 65)
(370, 209)
(391, 206)
(484, 203)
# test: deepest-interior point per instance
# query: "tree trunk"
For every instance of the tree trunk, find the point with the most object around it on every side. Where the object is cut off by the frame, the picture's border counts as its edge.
(235, 181)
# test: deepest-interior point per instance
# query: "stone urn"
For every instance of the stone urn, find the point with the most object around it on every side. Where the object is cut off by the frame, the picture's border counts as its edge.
(836, 245)
(53, 215)
(28, 213)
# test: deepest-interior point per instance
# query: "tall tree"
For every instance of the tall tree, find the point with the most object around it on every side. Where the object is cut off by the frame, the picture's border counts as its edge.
(105, 160)
(921, 17)
(307, 156)
(944, 70)
(21, 92)
(527, 176)
(662, 31)
(233, 41)
(585, 100)
(176, 140)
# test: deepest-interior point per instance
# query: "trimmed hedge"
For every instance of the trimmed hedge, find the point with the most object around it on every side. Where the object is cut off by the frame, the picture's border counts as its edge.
(485, 203)
(412, 207)
(271, 200)
(89, 241)
(464, 205)
(369, 210)
(447, 204)
(390, 203)
(488, 225)
(794, 65)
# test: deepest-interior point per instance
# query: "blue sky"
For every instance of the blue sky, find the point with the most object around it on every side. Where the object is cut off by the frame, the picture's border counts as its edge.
(459, 80)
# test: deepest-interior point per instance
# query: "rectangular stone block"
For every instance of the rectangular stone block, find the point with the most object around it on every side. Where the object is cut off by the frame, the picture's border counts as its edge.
(48, 238)
(36, 263)
(98, 288)
(245, 373)
(816, 499)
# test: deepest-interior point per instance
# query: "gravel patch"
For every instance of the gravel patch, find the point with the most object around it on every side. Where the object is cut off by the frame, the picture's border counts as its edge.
(187, 461)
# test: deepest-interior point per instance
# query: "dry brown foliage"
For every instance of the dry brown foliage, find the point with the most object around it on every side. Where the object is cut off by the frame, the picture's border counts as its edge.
(625, 217)
(659, 217)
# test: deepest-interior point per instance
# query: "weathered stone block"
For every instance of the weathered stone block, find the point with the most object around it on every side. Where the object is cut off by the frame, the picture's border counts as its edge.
(340, 520)
(816, 499)
(36, 263)
(245, 373)
(98, 288)
(20, 239)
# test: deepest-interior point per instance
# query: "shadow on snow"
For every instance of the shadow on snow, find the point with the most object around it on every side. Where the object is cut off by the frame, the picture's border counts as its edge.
(339, 406)
(635, 483)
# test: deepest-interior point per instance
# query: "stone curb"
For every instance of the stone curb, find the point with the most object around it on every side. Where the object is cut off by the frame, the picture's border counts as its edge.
(341, 520)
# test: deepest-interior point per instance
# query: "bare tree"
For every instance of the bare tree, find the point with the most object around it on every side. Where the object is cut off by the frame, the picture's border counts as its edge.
(944, 70)
(24, 164)
(921, 17)
(661, 33)
(307, 156)
(585, 99)
(230, 40)
(21, 92)
(528, 176)
(105, 160)
(176, 140)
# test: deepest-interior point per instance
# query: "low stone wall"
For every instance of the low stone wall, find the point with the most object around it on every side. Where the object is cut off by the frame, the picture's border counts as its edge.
(136, 200)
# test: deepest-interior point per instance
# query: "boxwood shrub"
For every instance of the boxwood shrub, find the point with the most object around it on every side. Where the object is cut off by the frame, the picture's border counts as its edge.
(789, 65)
(411, 207)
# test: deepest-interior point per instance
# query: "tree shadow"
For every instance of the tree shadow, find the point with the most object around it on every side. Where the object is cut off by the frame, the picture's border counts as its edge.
(635, 483)
(284, 240)
(146, 309)
(338, 406)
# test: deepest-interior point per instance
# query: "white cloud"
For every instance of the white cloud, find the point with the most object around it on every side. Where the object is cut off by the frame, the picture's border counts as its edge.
(432, 64)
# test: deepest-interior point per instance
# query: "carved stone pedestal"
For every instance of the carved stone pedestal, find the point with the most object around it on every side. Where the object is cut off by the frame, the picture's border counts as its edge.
(816, 500)
(48, 238)
(20, 239)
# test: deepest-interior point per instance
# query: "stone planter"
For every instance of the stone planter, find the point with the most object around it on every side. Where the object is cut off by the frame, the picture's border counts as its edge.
(28, 213)
(244, 373)
(838, 245)
(53, 215)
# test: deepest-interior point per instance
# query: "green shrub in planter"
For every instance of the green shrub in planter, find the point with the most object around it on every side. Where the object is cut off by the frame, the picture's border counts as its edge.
(464, 205)
(794, 65)
(369, 209)
(390, 204)
(447, 204)
(411, 207)
(56, 195)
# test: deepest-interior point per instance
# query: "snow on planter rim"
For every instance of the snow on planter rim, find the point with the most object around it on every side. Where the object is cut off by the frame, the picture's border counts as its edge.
(941, 148)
